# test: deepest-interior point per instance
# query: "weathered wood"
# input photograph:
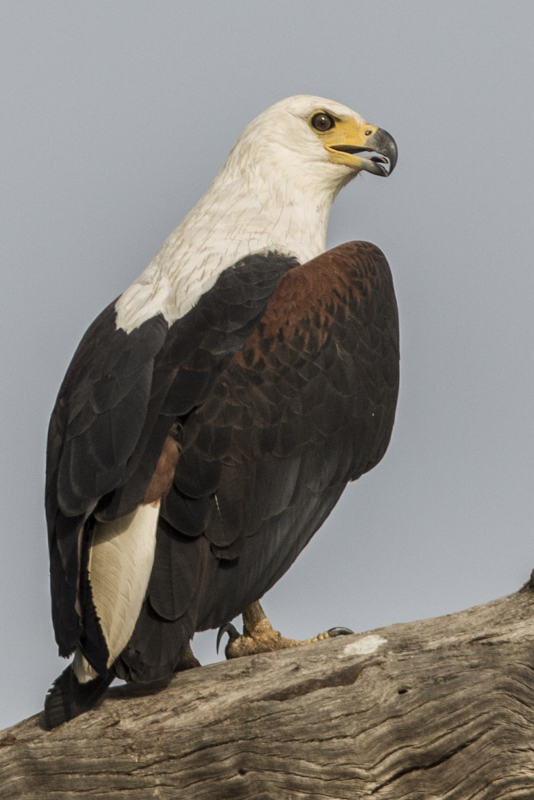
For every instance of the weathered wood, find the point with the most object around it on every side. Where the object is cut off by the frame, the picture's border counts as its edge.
(442, 708)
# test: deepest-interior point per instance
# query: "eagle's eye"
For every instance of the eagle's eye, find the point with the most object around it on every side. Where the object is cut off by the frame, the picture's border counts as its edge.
(322, 122)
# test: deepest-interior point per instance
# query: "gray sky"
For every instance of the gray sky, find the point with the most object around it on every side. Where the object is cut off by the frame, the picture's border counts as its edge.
(117, 115)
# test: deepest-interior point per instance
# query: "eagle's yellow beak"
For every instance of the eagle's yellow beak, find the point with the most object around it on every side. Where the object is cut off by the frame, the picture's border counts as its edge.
(345, 139)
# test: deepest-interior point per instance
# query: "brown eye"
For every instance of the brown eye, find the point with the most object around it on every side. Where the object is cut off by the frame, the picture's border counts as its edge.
(322, 122)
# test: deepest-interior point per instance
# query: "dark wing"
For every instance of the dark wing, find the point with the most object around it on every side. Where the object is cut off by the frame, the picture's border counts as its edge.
(121, 395)
(307, 405)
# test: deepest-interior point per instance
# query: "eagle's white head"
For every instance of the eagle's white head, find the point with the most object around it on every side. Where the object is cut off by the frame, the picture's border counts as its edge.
(274, 192)
(314, 144)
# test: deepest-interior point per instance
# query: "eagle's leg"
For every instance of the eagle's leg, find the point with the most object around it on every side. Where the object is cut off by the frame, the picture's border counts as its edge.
(259, 636)
(188, 660)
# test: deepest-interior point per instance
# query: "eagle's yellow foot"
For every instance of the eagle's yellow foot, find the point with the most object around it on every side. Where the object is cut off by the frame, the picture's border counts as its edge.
(259, 636)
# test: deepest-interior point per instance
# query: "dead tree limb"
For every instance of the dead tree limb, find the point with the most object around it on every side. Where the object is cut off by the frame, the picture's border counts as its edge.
(442, 708)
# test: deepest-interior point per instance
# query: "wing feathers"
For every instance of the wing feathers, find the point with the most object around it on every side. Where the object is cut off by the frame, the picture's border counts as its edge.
(267, 435)
(305, 406)
(175, 573)
(121, 395)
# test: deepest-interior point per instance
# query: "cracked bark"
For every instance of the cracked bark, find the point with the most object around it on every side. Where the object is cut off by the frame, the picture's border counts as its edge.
(441, 708)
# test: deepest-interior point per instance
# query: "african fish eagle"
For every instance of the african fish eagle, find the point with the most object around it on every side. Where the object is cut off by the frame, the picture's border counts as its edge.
(213, 414)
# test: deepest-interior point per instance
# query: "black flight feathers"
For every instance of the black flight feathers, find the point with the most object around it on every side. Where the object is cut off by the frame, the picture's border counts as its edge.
(265, 458)
(118, 401)
(267, 440)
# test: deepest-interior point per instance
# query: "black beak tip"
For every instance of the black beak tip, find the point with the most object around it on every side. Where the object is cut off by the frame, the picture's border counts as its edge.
(389, 149)
(384, 145)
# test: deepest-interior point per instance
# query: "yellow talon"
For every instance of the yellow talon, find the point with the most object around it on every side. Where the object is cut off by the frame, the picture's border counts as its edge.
(260, 637)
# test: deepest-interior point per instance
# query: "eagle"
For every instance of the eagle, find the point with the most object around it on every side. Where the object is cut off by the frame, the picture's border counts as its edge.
(213, 414)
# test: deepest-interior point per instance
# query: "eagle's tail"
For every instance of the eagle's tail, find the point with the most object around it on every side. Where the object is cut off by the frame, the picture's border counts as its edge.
(68, 697)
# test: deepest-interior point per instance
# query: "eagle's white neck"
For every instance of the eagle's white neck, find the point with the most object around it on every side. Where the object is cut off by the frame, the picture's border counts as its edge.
(247, 209)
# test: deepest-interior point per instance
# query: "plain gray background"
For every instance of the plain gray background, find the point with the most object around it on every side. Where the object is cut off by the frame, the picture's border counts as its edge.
(117, 115)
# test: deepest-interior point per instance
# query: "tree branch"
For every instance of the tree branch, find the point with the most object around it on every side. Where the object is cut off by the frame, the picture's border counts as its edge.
(441, 708)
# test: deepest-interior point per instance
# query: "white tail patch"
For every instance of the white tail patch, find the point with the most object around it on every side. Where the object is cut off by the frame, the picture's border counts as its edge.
(120, 562)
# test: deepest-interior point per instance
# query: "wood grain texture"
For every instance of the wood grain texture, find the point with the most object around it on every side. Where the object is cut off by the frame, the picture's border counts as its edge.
(441, 708)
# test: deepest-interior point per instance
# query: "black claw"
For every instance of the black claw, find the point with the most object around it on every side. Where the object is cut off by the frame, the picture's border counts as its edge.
(231, 630)
(339, 632)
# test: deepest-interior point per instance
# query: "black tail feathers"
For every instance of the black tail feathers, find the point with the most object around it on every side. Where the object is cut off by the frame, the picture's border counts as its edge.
(68, 698)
